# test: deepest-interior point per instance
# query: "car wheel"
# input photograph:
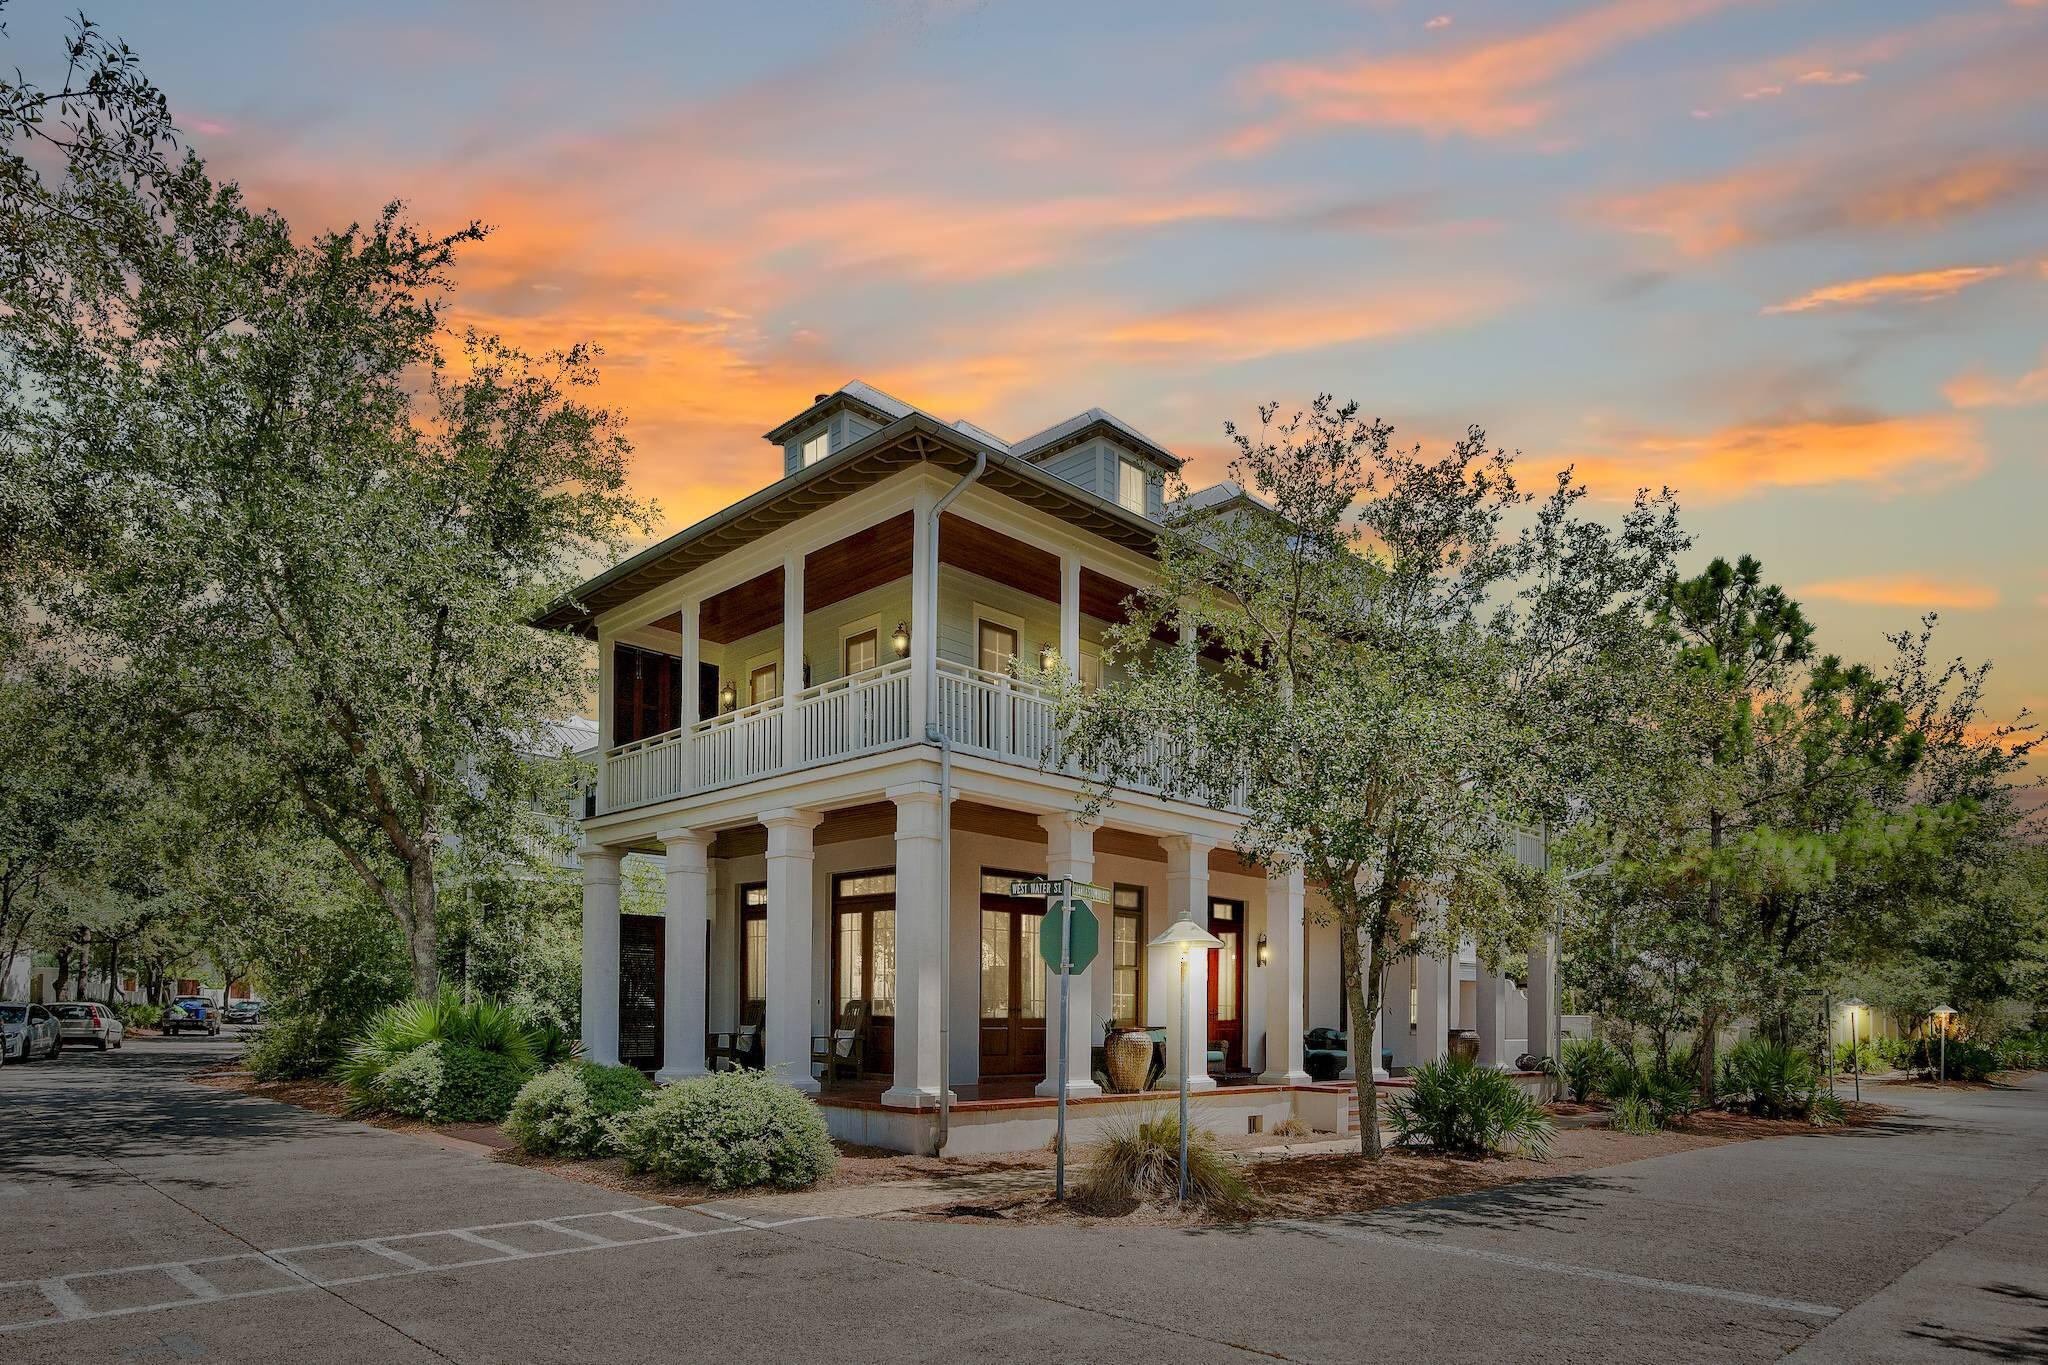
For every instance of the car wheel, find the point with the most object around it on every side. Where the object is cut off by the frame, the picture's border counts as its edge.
(103, 1045)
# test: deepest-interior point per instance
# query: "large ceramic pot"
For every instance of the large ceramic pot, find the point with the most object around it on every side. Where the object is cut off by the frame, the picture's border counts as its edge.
(1127, 1056)
(1465, 1043)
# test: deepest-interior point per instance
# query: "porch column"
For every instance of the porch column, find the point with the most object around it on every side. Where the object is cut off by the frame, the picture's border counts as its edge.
(1286, 912)
(920, 905)
(689, 619)
(1492, 1022)
(1543, 997)
(1187, 896)
(1070, 852)
(685, 916)
(924, 634)
(1432, 1008)
(791, 674)
(789, 944)
(1372, 1046)
(1070, 615)
(600, 953)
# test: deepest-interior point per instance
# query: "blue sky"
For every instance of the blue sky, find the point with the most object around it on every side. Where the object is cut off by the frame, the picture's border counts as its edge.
(1789, 258)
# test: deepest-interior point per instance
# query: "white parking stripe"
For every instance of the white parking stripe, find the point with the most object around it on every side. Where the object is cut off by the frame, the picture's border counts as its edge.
(63, 1294)
(1585, 1272)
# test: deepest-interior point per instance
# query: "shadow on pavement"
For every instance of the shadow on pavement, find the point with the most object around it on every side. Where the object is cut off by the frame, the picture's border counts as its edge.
(2027, 1343)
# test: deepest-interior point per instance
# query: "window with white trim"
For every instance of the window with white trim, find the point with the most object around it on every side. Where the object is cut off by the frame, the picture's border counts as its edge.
(1130, 486)
(817, 448)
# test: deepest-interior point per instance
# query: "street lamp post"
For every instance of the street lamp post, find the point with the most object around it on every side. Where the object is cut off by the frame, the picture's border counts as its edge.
(1852, 1004)
(1944, 1013)
(1184, 935)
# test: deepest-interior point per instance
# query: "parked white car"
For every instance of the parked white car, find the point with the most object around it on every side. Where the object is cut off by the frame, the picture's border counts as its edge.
(28, 1031)
(84, 1022)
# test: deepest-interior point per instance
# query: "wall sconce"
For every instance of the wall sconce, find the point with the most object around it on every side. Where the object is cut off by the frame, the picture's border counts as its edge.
(807, 670)
(1265, 953)
(1048, 656)
(899, 640)
(728, 696)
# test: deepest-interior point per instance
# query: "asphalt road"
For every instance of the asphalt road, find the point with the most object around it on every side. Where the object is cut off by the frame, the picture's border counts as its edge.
(277, 1235)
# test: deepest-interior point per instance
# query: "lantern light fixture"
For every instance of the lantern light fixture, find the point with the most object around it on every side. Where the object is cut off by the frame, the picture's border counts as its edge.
(899, 640)
(1265, 953)
(728, 696)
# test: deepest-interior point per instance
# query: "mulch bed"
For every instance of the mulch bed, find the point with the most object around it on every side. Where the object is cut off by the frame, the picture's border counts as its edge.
(1318, 1186)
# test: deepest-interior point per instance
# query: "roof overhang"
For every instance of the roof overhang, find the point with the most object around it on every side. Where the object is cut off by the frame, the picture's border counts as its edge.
(1116, 433)
(837, 401)
(902, 444)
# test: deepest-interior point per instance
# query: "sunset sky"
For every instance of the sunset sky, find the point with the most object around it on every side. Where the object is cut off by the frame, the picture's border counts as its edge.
(1791, 259)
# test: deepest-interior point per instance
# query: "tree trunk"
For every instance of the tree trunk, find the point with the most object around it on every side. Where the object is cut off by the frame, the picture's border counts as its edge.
(63, 971)
(1710, 1011)
(113, 972)
(421, 936)
(1362, 998)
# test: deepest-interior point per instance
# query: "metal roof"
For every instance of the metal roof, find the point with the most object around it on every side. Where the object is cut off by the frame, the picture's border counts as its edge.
(912, 439)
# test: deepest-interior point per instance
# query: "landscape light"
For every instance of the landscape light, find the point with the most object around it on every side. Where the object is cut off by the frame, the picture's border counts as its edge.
(1185, 935)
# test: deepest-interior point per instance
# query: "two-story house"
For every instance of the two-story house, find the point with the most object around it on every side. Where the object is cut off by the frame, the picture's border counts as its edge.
(818, 704)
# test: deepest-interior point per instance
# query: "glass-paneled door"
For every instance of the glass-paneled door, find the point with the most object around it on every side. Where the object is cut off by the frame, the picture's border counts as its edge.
(1012, 980)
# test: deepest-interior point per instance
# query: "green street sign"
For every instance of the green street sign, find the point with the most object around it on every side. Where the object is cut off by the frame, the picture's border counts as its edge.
(1086, 935)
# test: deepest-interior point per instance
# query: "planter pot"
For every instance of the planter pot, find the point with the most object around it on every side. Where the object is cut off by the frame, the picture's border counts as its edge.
(1465, 1043)
(1127, 1056)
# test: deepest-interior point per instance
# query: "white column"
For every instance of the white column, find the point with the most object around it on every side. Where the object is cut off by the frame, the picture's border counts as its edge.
(600, 953)
(920, 903)
(1070, 615)
(693, 653)
(685, 916)
(1070, 852)
(607, 723)
(1286, 913)
(1432, 1008)
(1187, 897)
(924, 635)
(1492, 1019)
(789, 944)
(1543, 997)
(792, 671)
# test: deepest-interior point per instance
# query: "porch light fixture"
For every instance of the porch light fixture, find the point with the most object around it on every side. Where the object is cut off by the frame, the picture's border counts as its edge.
(1265, 954)
(899, 640)
(1048, 655)
(728, 696)
(1184, 935)
(1945, 1013)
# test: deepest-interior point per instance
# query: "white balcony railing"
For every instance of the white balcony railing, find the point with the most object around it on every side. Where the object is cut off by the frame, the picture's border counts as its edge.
(990, 714)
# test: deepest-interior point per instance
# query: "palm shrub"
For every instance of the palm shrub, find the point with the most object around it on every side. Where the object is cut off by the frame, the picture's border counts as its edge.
(1826, 1111)
(476, 1056)
(1138, 1162)
(568, 1109)
(1456, 1106)
(1769, 1081)
(1587, 1061)
(1631, 1115)
(728, 1130)
(1665, 1091)
(1969, 1060)
(2020, 1051)
(1863, 1057)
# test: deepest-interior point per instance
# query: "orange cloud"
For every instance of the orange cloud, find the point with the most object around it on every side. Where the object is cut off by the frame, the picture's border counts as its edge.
(1485, 89)
(1917, 591)
(1978, 389)
(1882, 454)
(1783, 202)
(1918, 285)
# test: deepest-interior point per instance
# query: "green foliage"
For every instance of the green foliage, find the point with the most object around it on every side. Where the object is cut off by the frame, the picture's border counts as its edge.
(1770, 1081)
(729, 1131)
(1138, 1162)
(1633, 1115)
(134, 1016)
(1666, 1092)
(1864, 1057)
(1587, 1062)
(469, 1029)
(1827, 1111)
(442, 1081)
(325, 973)
(2022, 1051)
(1456, 1106)
(1969, 1060)
(567, 1109)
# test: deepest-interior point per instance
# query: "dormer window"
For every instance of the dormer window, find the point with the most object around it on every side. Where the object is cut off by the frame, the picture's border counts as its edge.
(1130, 486)
(817, 448)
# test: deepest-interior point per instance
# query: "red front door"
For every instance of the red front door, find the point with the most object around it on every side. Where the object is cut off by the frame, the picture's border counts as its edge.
(1226, 982)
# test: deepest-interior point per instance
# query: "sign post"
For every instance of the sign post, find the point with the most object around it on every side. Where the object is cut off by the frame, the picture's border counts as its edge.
(1067, 940)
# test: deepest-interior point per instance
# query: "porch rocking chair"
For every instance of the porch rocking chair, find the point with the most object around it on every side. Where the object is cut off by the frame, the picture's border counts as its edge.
(841, 1051)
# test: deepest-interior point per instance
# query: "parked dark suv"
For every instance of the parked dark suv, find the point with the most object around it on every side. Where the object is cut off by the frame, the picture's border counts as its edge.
(191, 1014)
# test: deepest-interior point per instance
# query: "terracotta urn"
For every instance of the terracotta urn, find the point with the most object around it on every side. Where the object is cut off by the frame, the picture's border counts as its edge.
(1127, 1056)
(1465, 1043)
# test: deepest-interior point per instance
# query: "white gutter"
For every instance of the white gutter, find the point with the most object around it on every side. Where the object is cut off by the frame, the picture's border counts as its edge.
(935, 733)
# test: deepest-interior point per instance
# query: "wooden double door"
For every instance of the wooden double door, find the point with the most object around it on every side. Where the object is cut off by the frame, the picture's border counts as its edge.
(864, 962)
(1226, 982)
(1012, 980)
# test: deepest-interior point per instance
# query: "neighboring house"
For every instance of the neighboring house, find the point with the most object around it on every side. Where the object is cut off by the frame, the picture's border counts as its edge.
(775, 684)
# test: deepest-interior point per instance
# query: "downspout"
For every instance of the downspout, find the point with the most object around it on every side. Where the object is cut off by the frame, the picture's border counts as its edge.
(935, 733)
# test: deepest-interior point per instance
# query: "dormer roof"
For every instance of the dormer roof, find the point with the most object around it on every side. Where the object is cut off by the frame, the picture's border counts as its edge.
(865, 399)
(881, 409)
(1086, 426)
